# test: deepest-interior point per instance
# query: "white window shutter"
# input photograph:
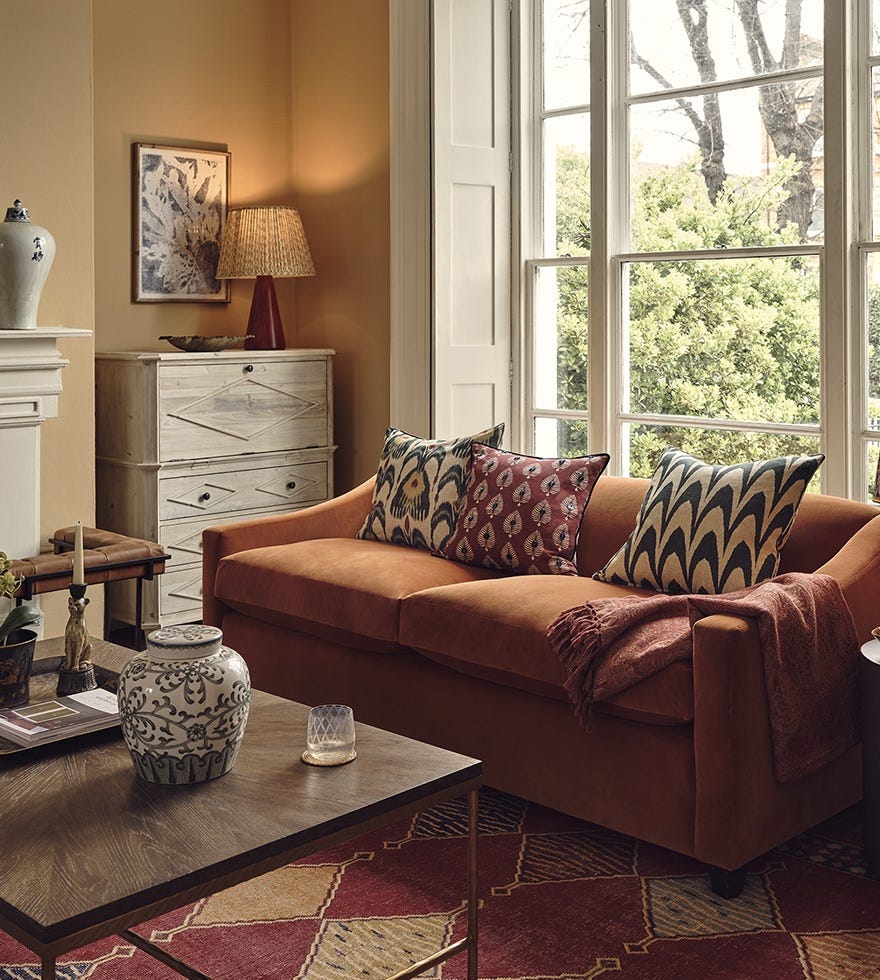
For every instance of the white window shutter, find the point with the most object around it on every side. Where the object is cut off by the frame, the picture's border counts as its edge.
(472, 215)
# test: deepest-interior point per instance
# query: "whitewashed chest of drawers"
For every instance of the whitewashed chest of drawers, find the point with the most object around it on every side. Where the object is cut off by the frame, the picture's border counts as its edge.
(188, 440)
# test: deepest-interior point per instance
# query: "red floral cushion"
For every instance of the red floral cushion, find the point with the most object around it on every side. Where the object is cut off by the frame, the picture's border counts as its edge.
(523, 514)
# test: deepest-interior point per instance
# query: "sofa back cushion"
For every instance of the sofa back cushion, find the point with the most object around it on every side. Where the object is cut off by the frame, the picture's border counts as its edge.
(712, 529)
(822, 527)
(419, 488)
(523, 514)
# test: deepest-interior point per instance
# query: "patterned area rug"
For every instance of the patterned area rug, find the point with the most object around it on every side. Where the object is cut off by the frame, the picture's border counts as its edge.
(561, 900)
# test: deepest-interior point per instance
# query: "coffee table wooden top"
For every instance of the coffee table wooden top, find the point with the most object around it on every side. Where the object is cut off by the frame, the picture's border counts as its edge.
(89, 848)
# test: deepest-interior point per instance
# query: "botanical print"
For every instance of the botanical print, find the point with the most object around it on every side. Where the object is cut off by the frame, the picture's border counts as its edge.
(181, 212)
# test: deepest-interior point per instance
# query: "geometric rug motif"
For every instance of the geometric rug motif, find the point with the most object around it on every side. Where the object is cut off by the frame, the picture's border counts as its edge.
(501, 814)
(572, 857)
(560, 899)
(374, 948)
(687, 908)
(842, 855)
(852, 955)
(290, 893)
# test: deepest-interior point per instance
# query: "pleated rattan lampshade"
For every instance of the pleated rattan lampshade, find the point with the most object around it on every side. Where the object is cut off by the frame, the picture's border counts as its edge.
(264, 241)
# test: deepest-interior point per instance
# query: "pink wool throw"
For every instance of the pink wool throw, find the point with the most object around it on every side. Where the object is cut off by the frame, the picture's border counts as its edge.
(808, 641)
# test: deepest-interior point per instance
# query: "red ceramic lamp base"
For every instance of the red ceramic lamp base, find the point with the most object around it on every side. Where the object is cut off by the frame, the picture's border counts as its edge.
(265, 320)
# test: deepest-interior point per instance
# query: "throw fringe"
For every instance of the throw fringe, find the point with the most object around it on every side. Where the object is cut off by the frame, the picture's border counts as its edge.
(576, 637)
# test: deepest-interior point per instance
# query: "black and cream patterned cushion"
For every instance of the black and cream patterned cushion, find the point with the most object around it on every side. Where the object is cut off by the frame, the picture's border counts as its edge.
(419, 486)
(711, 529)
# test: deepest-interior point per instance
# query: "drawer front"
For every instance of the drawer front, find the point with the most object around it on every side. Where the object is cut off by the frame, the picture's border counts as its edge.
(222, 493)
(180, 595)
(182, 540)
(225, 409)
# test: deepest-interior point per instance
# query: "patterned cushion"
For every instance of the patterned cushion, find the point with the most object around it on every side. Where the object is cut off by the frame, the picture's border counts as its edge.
(711, 529)
(419, 487)
(523, 514)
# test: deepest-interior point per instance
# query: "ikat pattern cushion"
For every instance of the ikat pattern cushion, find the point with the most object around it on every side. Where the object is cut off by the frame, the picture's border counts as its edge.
(419, 488)
(523, 514)
(711, 529)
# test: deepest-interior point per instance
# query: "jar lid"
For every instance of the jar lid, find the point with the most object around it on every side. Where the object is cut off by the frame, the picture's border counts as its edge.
(18, 212)
(194, 640)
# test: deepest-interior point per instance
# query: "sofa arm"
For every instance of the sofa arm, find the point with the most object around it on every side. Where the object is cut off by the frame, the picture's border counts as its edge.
(733, 753)
(741, 809)
(857, 569)
(341, 517)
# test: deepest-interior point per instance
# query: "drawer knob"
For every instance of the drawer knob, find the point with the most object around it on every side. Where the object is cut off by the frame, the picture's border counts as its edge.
(205, 496)
(248, 368)
(291, 485)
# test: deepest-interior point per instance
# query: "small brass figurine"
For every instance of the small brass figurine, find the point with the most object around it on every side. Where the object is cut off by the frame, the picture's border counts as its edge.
(77, 646)
(76, 674)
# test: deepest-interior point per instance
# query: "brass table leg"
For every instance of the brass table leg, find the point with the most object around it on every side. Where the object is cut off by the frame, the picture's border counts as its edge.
(473, 816)
(469, 942)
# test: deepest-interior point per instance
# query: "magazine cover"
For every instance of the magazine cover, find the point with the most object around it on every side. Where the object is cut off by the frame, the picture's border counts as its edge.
(31, 724)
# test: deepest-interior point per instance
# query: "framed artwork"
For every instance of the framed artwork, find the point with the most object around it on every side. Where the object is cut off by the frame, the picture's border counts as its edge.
(180, 197)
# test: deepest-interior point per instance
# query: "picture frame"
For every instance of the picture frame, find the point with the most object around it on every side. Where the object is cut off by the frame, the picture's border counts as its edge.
(180, 196)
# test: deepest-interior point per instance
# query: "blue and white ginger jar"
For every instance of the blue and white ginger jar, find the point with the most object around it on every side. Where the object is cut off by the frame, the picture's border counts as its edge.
(184, 705)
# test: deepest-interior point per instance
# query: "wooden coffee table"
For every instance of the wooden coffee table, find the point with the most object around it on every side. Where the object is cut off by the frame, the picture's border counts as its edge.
(90, 849)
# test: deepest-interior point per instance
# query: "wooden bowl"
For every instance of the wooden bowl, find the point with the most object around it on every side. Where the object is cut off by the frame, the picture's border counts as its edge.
(195, 344)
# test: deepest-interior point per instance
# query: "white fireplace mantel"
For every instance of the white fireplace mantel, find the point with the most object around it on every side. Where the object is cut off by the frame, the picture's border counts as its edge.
(30, 383)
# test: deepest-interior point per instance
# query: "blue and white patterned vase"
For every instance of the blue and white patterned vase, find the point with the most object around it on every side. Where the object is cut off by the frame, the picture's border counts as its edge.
(184, 705)
(26, 254)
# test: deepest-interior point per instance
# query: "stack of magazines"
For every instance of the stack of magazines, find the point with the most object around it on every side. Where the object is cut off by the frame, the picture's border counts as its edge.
(49, 721)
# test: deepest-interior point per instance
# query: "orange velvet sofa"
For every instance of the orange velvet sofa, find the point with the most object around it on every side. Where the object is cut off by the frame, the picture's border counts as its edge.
(456, 655)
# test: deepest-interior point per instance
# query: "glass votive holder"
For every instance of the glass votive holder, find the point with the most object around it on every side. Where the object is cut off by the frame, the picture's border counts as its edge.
(330, 735)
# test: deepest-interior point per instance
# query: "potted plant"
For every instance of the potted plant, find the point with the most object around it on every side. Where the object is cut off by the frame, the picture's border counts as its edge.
(17, 643)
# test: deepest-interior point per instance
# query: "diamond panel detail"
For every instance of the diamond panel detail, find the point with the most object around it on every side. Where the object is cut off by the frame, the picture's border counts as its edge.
(245, 409)
(189, 590)
(280, 486)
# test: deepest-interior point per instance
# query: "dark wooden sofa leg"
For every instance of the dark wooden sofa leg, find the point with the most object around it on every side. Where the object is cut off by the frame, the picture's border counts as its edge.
(727, 884)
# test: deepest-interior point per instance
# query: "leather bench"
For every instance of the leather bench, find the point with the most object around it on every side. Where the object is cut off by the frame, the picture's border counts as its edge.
(107, 557)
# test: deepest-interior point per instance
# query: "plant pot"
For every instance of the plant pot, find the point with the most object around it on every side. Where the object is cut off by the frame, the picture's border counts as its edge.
(16, 661)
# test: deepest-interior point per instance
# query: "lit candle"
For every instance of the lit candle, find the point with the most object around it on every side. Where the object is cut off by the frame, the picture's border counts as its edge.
(79, 575)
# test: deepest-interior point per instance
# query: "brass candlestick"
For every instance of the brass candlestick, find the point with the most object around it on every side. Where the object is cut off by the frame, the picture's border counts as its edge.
(77, 673)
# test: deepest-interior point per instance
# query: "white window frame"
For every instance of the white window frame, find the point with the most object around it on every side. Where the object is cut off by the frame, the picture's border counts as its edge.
(610, 246)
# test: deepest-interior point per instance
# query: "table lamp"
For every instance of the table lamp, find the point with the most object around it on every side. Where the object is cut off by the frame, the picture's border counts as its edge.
(264, 241)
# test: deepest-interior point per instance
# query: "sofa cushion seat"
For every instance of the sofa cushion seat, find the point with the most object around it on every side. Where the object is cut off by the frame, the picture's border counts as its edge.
(496, 630)
(342, 589)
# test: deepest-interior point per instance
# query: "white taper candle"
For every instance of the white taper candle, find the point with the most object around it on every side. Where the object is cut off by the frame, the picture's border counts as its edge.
(79, 575)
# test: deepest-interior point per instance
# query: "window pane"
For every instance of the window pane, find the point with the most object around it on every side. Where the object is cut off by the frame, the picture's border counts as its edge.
(875, 136)
(875, 26)
(560, 437)
(663, 41)
(752, 176)
(873, 325)
(567, 185)
(725, 339)
(873, 471)
(566, 53)
(646, 444)
(560, 341)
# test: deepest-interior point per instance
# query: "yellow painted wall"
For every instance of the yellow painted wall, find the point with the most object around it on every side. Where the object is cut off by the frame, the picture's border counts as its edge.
(299, 94)
(46, 107)
(202, 73)
(341, 187)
